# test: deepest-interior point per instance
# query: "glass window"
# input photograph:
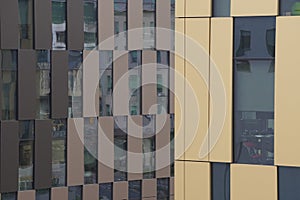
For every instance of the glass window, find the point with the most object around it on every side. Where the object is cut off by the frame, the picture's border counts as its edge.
(59, 24)
(43, 194)
(120, 17)
(289, 181)
(106, 83)
(106, 191)
(149, 23)
(163, 190)
(254, 90)
(289, 7)
(59, 147)
(221, 8)
(149, 146)
(9, 196)
(120, 148)
(172, 151)
(43, 78)
(134, 190)
(90, 150)
(9, 84)
(25, 23)
(220, 173)
(75, 83)
(90, 24)
(162, 82)
(173, 25)
(75, 193)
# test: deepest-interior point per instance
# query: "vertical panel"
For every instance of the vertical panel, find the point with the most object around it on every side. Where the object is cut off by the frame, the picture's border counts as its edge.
(288, 181)
(172, 188)
(60, 193)
(90, 83)
(26, 195)
(221, 72)
(75, 149)
(106, 150)
(148, 188)
(250, 8)
(197, 8)
(75, 24)
(106, 24)
(120, 190)
(261, 179)
(135, 26)
(26, 84)
(91, 192)
(172, 83)
(9, 156)
(163, 25)
(149, 82)
(43, 27)
(43, 154)
(180, 8)
(59, 83)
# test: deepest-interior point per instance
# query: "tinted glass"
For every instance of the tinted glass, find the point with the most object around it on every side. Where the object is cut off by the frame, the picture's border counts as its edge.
(162, 81)
(172, 151)
(120, 23)
(59, 24)
(90, 24)
(289, 181)
(149, 23)
(75, 193)
(221, 8)
(173, 24)
(163, 189)
(26, 23)
(9, 196)
(135, 190)
(289, 7)
(220, 173)
(42, 194)
(106, 191)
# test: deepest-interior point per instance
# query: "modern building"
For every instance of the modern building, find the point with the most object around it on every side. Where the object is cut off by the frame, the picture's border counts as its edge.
(86, 106)
(236, 113)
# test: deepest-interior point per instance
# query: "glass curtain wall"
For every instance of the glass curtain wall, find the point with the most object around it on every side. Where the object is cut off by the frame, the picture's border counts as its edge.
(289, 7)
(162, 89)
(90, 24)
(149, 23)
(120, 23)
(106, 191)
(163, 189)
(59, 24)
(134, 190)
(26, 23)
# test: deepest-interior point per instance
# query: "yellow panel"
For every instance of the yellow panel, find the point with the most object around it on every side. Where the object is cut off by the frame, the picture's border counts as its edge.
(179, 180)
(250, 182)
(198, 8)
(196, 90)
(179, 8)
(254, 7)
(221, 90)
(197, 181)
(287, 95)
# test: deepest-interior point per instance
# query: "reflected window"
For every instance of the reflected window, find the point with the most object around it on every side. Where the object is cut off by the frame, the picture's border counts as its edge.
(43, 194)
(75, 193)
(149, 23)
(75, 84)
(105, 83)
(173, 25)
(163, 189)
(289, 7)
(90, 24)
(43, 78)
(221, 8)
(26, 151)
(172, 151)
(9, 196)
(9, 84)
(220, 173)
(106, 191)
(288, 183)
(120, 22)
(26, 23)
(59, 24)
(134, 190)
(59, 147)
(162, 82)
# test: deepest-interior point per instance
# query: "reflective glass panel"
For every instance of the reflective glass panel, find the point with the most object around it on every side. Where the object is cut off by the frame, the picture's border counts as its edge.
(26, 23)
(289, 7)
(120, 23)
(172, 151)
(75, 193)
(134, 190)
(9, 196)
(220, 173)
(221, 8)
(90, 24)
(288, 183)
(43, 194)
(106, 191)
(162, 82)
(163, 190)
(59, 24)
(149, 23)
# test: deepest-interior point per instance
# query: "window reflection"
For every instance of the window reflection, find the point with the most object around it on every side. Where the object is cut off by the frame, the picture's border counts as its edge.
(149, 14)
(59, 24)
(106, 191)
(162, 81)
(9, 196)
(163, 190)
(289, 7)
(43, 194)
(134, 190)
(120, 23)
(26, 23)
(221, 8)
(173, 25)
(90, 24)
(75, 193)
(172, 151)
(220, 181)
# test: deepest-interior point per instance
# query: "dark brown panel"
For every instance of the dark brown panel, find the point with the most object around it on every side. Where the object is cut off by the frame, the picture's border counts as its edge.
(60, 193)
(59, 83)
(9, 24)
(26, 84)
(75, 24)
(120, 190)
(43, 26)
(43, 154)
(9, 156)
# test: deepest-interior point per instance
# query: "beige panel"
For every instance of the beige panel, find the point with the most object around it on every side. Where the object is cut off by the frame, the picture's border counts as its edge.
(287, 95)
(179, 183)
(197, 181)
(149, 82)
(254, 7)
(60, 193)
(120, 190)
(135, 24)
(221, 72)
(198, 8)
(75, 152)
(106, 150)
(163, 25)
(26, 195)
(90, 83)
(196, 91)
(120, 79)
(250, 182)
(180, 8)
(91, 192)
(135, 147)
(106, 24)
(149, 188)
(172, 83)
(179, 78)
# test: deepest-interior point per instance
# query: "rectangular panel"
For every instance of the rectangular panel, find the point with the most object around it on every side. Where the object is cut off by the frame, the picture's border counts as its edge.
(221, 75)
(26, 84)
(261, 179)
(75, 25)
(90, 83)
(149, 82)
(120, 190)
(59, 83)
(288, 181)
(286, 92)
(197, 8)
(196, 91)
(250, 8)
(91, 192)
(60, 193)
(43, 154)
(172, 189)
(135, 19)
(106, 150)
(180, 8)
(26, 195)
(42, 21)
(106, 24)
(172, 84)
(163, 25)
(148, 188)
(75, 149)
(9, 156)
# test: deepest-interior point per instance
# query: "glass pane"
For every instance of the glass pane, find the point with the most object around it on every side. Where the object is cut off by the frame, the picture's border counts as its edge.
(59, 24)
(289, 181)
(289, 7)
(162, 81)
(172, 151)
(220, 181)
(90, 24)
(221, 8)
(120, 12)
(120, 148)
(25, 23)
(75, 193)
(135, 190)
(59, 152)
(9, 84)
(254, 111)
(43, 194)
(173, 25)
(75, 83)
(106, 191)
(90, 150)
(106, 83)
(149, 23)
(163, 191)
(43, 80)
(9, 196)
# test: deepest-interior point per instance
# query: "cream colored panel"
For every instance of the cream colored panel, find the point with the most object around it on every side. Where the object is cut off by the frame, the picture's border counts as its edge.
(179, 8)
(287, 94)
(250, 182)
(26, 195)
(179, 180)
(196, 90)
(221, 90)
(91, 192)
(254, 7)
(197, 181)
(135, 24)
(60, 193)
(198, 8)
